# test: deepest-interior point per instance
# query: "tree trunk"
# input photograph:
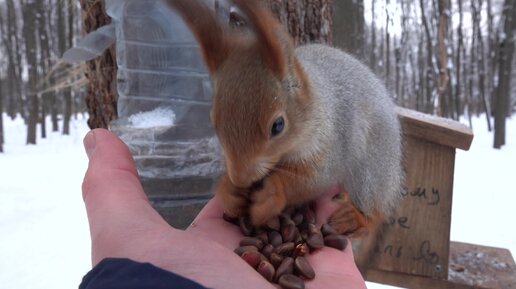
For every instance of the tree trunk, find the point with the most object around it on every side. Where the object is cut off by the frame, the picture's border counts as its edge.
(66, 42)
(373, 63)
(466, 74)
(474, 69)
(429, 71)
(22, 100)
(506, 52)
(442, 87)
(44, 62)
(470, 95)
(9, 32)
(458, 62)
(61, 48)
(308, 21)
(53, 9)
(491, 59)
(29, 31)
(397, 58)
(451, 56)
(349, 27)
(71, 33)
(403, 54)
(414, 84)
(420, 91)
(101, 95)
(482, 65)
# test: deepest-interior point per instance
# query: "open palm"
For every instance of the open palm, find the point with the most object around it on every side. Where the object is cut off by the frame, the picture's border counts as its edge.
(124, 225)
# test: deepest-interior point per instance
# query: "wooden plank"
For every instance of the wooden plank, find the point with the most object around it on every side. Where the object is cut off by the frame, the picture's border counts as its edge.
(482, 266)
(415, 240)
(414, 281)
(472, 266)
(435, 129)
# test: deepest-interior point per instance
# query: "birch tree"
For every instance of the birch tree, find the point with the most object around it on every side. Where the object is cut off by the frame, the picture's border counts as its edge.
(442, 87)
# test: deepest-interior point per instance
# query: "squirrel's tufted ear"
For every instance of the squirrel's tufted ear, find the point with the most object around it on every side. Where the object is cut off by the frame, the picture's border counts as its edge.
(207, 29)
(267, 30)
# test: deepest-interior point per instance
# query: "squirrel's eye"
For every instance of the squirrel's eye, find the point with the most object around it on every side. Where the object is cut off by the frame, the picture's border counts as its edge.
(277, 126)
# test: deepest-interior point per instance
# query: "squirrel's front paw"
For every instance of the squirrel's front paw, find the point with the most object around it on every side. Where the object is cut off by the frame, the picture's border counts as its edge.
(234, 200)
(267, 202)
(348, 219)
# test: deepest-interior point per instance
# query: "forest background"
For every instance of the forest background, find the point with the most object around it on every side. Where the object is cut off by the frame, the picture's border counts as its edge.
(452, 58)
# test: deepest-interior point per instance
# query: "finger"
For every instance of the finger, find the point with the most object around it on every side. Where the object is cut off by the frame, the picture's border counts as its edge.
(116, 204)
(108, 157)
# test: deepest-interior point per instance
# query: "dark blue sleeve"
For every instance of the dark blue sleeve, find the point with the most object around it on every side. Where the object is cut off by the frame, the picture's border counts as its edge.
(113, 273)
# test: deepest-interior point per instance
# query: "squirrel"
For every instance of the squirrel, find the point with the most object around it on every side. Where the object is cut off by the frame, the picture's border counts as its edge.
(292, 122)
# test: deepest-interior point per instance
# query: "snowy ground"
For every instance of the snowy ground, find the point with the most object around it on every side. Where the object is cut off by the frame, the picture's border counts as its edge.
(484, 210)
(44, 241)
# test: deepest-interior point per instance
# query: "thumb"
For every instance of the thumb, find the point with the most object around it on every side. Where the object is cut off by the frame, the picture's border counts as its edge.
(115, 202)
(111, 177)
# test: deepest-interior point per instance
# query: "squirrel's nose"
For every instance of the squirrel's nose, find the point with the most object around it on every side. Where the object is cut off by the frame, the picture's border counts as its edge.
(240, 176)
(246, 176)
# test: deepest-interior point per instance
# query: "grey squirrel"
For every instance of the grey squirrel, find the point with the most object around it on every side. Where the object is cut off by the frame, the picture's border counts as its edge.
(294, 121)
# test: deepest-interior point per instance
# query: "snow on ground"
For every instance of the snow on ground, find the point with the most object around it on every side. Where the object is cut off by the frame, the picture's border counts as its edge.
(484, 200)
(44, 240)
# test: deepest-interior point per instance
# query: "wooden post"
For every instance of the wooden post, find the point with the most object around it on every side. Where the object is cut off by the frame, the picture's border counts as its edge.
(412, 248)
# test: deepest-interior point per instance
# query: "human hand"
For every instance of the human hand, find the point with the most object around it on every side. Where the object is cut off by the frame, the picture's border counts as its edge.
(124, 225)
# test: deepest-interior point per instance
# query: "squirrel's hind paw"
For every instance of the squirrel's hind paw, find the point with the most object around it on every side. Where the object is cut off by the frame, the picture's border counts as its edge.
(348, 219)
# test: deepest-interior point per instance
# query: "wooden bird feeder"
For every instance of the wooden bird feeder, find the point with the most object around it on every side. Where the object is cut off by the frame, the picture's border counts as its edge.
(412, 249)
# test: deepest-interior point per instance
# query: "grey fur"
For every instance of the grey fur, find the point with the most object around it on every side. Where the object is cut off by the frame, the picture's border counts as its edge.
(357, 122)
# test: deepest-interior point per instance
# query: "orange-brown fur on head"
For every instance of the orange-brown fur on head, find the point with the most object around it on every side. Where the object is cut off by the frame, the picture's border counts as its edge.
(256, 79)
(339, 122)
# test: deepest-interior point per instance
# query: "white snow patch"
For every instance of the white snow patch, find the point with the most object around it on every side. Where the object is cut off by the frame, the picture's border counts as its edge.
(156, 118)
